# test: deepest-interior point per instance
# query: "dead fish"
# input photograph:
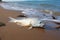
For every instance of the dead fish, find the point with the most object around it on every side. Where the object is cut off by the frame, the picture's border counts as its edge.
(33, 22)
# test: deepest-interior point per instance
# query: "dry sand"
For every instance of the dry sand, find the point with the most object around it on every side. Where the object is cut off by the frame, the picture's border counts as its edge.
(14, 32)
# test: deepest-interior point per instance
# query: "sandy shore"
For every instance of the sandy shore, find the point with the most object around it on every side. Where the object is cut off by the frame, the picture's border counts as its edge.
(14, 32)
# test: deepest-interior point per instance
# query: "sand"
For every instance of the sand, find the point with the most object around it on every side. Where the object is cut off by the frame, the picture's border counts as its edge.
(14, 32)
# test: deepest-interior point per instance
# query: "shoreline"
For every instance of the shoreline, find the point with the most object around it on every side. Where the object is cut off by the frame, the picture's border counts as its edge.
(14, 32)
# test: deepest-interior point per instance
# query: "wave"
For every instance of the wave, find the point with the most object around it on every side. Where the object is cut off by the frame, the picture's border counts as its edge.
(26, 10)
(22, 6)
(10, 6)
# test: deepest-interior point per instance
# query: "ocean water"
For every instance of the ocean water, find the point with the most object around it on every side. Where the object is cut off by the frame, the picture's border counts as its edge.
(49, 5)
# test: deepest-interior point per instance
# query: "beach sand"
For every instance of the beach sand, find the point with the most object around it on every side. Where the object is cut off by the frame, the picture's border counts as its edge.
(14, 32)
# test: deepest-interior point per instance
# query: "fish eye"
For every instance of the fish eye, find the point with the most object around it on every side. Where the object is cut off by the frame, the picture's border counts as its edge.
(40, 22)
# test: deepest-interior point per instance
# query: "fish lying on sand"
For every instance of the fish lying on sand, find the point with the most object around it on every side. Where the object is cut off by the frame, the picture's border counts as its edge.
(34, 20)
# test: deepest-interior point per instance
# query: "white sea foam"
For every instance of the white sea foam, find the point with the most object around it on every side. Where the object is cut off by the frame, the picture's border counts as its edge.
(30, 12)
(10, 6)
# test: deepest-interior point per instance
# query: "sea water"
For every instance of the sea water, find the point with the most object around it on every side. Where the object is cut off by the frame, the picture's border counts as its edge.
(40, 5)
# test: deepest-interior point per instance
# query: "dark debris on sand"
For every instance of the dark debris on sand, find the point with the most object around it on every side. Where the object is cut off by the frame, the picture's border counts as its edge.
(2, 24)
(21, 16)
(0, 38)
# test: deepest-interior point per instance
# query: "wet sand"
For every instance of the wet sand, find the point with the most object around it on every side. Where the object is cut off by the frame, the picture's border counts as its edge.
(14, 32)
